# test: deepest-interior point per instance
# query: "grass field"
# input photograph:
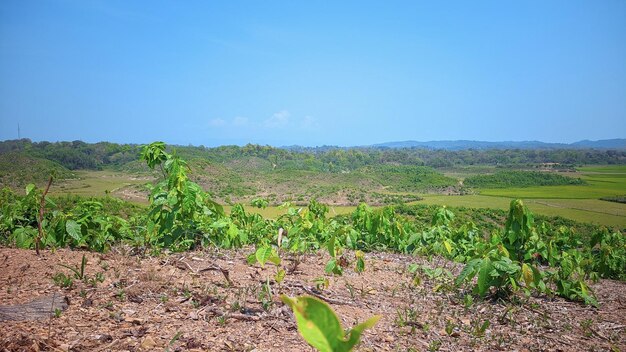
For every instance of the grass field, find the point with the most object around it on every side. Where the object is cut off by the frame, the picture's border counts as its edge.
(576, 202)
(585, 210)
(619, 169)
(601, 182)
(98, 183)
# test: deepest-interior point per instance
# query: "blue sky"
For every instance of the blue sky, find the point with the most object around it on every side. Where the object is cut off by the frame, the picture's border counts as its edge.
(312, 72)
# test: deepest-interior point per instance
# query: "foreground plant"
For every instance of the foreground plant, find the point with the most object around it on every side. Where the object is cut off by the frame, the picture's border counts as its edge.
(319, 326)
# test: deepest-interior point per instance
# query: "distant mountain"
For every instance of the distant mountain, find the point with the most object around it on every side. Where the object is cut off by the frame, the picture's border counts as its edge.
(616, 143)
(467, 144)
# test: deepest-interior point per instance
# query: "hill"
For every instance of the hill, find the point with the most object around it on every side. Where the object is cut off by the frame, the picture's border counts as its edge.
(480, 145)
(18, 169)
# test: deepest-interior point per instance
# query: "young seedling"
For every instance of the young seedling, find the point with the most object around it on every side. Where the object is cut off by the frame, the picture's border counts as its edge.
(321, 283)
(173, 340)
(319, 326)
(478, 329)
(63, 280)
(79, 273)
(434, 345)
(360, 262)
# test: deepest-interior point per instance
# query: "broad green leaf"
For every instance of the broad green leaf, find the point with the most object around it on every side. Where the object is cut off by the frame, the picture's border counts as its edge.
(73, 229)
(468, 272)
(333, 268)
(220, 223)
(274, 259)
(29, 188)
(355, 333)
(50, 202)
(484, 274)
(23, 239)
(243, 237)
(527, 274)
(331, 246)
(330, 266)
(232, 232)
(317, 323)
(320, 327)
(360, 265)
(263, 254)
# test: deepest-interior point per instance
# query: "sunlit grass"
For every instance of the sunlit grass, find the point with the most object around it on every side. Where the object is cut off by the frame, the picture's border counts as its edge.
(584, 210)
(97, 183)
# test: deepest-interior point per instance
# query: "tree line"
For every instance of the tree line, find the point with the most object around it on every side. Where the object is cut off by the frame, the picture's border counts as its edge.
(81, 155)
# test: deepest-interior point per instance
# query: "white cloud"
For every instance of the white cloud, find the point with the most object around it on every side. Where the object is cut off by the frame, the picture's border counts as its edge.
(217, 122)
(278, 120)
(240, 121)
(309, 122)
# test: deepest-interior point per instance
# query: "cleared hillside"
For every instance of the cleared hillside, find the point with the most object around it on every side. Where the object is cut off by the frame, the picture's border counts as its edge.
(18, 169)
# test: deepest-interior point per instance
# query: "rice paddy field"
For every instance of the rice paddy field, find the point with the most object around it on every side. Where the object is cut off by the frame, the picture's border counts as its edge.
(576, 202)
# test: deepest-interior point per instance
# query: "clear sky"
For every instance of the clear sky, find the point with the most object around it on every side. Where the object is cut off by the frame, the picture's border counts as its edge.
(312, 72)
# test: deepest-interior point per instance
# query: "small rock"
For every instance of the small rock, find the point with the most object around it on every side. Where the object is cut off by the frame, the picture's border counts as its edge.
(136, 321)
(148, 343)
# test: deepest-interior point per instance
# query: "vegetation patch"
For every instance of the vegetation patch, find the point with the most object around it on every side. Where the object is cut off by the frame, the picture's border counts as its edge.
(18, 169)
(506, 179)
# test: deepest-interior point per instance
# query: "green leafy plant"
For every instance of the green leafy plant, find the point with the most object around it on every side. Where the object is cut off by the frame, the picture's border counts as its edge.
(479, 328)
(319, 326)
(495, 269)
(260, 203)
(266, 295)
(63, 280)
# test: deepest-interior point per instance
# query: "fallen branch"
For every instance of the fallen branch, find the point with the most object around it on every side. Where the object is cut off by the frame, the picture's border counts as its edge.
(108, 346)
(323, 298)
(218, 312)
(40, 308)
(224, 272)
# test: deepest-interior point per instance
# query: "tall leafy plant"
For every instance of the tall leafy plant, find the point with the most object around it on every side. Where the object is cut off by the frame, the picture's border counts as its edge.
(178, 206)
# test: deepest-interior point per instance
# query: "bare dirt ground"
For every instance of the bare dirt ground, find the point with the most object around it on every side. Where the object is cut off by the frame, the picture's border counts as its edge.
(170, 303)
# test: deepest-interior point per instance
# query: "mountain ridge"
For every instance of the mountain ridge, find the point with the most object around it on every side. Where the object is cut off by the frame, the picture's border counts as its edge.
(615, 143)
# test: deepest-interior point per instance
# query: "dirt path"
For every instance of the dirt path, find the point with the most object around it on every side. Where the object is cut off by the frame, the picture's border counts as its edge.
(155, 303)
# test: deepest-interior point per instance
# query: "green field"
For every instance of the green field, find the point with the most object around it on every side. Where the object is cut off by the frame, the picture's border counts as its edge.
(98, 183)
(576, 202)
(585, 210)
(618, 169)
(601, 182)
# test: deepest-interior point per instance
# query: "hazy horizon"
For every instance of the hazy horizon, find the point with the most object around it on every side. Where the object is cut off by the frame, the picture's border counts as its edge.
(312, 74)
(316, 146)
